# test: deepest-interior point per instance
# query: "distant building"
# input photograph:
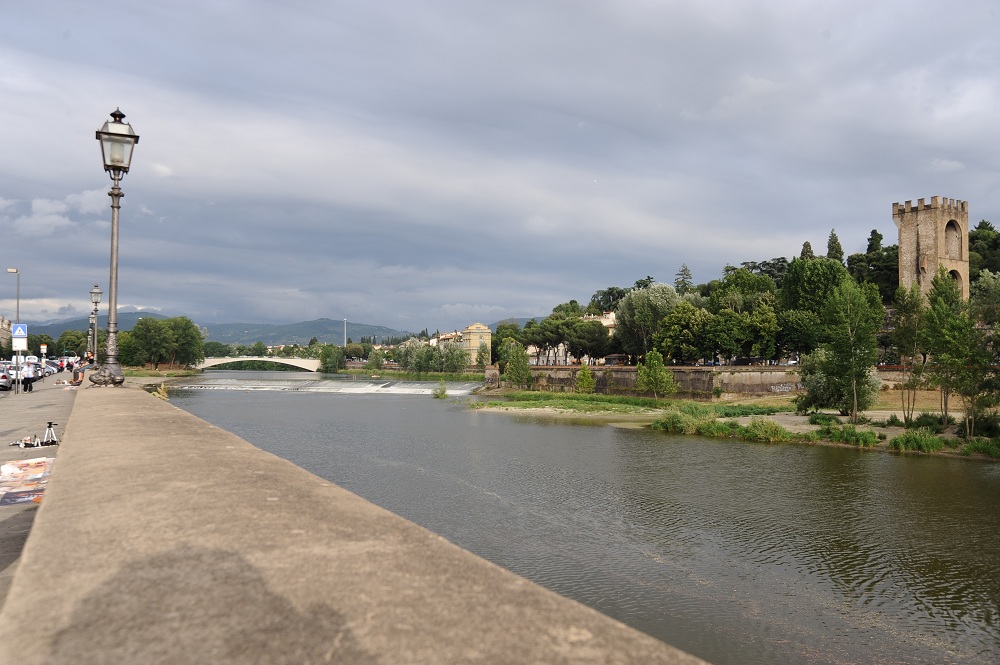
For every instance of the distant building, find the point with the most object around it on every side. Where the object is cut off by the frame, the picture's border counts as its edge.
(933, 235)
(474, 336)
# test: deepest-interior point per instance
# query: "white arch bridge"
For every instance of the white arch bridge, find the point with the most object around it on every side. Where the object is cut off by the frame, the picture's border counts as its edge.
(309, 364)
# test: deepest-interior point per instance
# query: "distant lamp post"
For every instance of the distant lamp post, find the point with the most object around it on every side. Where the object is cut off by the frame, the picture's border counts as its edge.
(95, 297)
(18, 273)
(117, 141)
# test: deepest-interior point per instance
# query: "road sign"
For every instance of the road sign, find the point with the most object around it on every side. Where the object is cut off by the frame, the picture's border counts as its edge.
(19, 331)
(44, 349)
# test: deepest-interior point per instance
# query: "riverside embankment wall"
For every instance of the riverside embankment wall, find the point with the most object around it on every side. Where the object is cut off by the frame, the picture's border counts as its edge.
(690, 380)
(163, 539)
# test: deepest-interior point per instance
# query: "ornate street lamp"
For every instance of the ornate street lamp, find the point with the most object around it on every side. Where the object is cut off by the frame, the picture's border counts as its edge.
(18, 272)
(17, 356)
(117, 141)
(95, 297)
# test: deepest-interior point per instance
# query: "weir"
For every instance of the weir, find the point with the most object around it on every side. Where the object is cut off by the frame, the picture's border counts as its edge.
(163, 539)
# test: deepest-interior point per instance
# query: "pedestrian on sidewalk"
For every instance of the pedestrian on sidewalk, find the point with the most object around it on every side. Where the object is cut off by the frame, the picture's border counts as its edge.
(28, 376)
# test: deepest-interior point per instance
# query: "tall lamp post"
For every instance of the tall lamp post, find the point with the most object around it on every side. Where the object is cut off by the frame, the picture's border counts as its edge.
(18, 272)
(17, 356)
(117, 141)
(95, 297)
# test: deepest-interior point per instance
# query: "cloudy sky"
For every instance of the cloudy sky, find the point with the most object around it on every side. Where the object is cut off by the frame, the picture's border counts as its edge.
(439, 162)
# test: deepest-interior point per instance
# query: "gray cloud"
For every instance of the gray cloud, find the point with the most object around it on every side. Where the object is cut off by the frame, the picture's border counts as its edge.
(440, 163)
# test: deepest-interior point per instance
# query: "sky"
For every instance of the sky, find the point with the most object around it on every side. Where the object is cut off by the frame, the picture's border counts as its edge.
(439, 163)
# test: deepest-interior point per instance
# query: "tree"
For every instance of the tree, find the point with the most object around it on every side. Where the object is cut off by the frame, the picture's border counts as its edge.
(807, 251)
(762, 324)
(654, 377)
(682, 280)
(587, 339)
(585, 380)
(809, 282)
(216, 349)
(569, 309)
(453, 358)
(376, 361)
(517, 371)
(908, 320)
(833, 249)
(72, 342)
(154, 341)
(189, 343)
(128, 350)
(985, 298)
(799, 332)
(727, 333)
(639, 315)
(606, 300)
(482, 356)
(853, 315)
(740, 290)
(958, 353)
(682, 336)
(644, 283)
(504, 330)
(331, 359)
(258, 348)
(774, 268)
(874, 242)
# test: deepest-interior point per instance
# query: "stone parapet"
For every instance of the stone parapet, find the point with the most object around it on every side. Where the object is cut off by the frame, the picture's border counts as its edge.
(163, 539)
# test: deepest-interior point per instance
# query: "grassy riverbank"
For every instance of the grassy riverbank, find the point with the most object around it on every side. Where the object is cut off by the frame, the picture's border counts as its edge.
(764, 419)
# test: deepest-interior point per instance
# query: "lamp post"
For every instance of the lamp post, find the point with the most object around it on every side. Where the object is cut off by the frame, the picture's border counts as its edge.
(18, 272)
(117, 141)
(95, 297)
(17, 356)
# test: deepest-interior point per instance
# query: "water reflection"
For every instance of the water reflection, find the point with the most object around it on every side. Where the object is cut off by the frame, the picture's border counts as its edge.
(739, 553)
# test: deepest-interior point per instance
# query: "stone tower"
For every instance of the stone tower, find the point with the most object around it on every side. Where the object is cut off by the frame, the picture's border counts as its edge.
(931, 235)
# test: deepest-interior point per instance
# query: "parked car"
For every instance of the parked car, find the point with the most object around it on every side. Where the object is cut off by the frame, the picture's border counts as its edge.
(6, 383)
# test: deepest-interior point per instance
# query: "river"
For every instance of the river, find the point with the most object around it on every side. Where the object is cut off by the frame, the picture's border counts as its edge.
(735, 552)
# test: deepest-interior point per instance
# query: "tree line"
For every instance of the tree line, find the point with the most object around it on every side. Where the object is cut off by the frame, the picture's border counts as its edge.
(838, 316)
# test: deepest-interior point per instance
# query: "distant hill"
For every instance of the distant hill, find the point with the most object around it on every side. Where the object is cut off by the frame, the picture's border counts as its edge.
(325, 330)
(520, 321)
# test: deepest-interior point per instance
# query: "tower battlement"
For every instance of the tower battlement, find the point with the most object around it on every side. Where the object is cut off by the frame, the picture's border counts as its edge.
(937, 202)
(933, 235)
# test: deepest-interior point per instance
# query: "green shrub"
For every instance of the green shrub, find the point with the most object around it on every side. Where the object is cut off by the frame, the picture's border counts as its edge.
(849, 434)
(922, 440)
(983, 446)
(987, 426)
(823, 419)
(720, 429)
(676, 422)
(585, 380)
(765, 430)
(930, 421)
(440, 391)
(892, 421)
(741, 410)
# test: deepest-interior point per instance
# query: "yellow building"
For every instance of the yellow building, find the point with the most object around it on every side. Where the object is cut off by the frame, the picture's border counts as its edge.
(473, 336)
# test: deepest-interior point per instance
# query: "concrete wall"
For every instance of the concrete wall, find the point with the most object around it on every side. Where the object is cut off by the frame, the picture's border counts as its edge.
(163, 539)
(691, 380)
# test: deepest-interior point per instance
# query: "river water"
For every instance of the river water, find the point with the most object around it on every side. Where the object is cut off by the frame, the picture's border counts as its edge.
(735, 552)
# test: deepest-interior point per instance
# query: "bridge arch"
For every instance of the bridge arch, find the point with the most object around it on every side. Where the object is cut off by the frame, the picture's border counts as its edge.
(308, 364)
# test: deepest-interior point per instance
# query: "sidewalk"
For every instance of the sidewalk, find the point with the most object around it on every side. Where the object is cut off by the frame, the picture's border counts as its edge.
(164, 539)
(27, 414)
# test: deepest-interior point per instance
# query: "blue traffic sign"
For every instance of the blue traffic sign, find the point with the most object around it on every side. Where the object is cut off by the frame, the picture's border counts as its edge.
(19, 330)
